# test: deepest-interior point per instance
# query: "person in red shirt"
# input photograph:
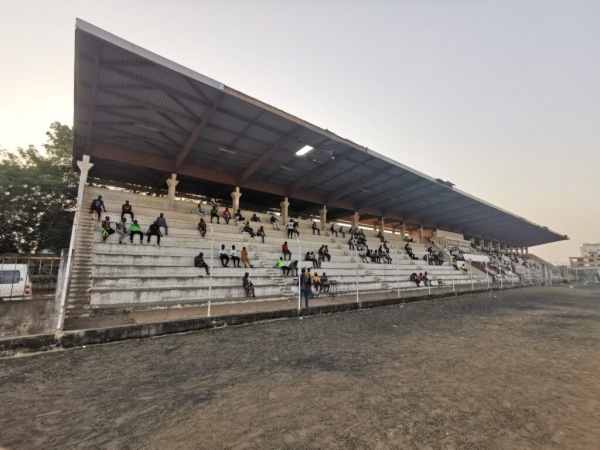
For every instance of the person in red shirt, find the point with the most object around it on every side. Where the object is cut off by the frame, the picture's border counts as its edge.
(126, 209)
(226, 215)
(286, 251)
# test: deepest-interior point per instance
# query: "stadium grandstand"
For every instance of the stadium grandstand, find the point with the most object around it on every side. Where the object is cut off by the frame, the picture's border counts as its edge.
(168, 139)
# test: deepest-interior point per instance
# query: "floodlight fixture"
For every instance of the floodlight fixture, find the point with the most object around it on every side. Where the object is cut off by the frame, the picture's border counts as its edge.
(304, 150)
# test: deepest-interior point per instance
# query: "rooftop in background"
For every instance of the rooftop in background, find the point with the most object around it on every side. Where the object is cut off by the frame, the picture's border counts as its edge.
(142, 117)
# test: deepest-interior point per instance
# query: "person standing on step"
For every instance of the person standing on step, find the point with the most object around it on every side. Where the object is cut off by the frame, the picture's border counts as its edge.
(341, 230)
(246, 258)
(290, 229)
(199, 262)
(97, 206)
(223, 256)
(154, 230)
(162, 222)
(126, 209)
(286, 251)
(134, 229)
(122, 229)
(305, 287)
(234, 257)
(275, 223)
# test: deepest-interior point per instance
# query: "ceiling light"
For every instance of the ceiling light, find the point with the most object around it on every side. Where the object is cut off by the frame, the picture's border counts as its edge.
(226, 150)
(146, 127)
(304, 150)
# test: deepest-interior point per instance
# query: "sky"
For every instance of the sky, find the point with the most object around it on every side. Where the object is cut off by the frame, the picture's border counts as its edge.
(499, 97)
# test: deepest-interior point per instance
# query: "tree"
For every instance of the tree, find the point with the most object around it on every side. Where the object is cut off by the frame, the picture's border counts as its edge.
(38, 195)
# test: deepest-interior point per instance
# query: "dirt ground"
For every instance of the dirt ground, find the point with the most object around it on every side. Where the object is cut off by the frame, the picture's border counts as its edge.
(512, 369)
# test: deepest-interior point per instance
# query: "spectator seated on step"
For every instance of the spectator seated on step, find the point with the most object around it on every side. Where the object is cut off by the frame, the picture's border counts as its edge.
(285, 250)
(362, 252)
(214, 213)
(416, 278)
(292, 268)
(97, 206)
(122, 230)
(463, 268)
(227, 215)
(200, 210)
(162, 223)
(248, 229)
(316, 283)
(246, 258)
(280, 264)
(126, 209)
(248, 285)
(199, 262)
(315, 228)
(310, 256)
(332, 230)
(261, 233)
(202, 227)
(255, 218)
(106, 230)
(426, 279)
(234, 256)
(154, 230)
(135, 229)
(238, 216)
(325, 285)
(224, 256)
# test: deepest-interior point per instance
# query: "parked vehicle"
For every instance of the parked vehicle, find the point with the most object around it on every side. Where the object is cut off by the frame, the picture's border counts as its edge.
(15, 283)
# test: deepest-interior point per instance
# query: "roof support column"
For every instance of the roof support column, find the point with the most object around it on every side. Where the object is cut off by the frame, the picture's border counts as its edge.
(355, 219)
(420, 234)
(323, 217)
(380, 225)
(172, 184)
(404, 230)
(235, 199)
(284, 205)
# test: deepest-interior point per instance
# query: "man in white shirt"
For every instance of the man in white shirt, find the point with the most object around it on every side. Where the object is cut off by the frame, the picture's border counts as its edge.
(223, 256)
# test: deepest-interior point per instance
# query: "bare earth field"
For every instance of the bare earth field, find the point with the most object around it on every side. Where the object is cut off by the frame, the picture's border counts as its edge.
(513, 369)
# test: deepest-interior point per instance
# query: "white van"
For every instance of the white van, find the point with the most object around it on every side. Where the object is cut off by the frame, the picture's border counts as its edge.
(14, 282)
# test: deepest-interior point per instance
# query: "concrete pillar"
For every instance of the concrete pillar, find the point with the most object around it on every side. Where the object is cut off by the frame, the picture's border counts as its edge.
(403, 230)
(284, 205)
(172, 183)
(355, 219)
(323, 216)
(421, 234)
(235, 199)
(380, 225)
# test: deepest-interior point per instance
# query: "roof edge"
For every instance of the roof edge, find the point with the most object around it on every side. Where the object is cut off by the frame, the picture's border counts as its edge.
(147, 54)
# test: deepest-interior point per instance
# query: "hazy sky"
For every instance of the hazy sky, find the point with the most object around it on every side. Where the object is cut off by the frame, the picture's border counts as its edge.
(500, 97)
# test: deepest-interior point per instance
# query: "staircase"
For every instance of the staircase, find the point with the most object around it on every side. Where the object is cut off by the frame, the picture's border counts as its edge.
(78, 298)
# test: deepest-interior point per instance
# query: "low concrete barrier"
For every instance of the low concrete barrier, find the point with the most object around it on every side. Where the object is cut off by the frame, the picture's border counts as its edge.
(72, 339)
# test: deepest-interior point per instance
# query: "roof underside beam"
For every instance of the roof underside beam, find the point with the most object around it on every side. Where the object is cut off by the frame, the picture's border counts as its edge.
(196, 133)
(314, 174)
(266, 156)
(128, 156)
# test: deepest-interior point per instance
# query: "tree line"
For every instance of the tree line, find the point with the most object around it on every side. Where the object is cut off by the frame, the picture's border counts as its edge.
(38, 195)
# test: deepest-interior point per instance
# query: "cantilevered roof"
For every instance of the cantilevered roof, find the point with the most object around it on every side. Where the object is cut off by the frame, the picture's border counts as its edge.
(142, 117)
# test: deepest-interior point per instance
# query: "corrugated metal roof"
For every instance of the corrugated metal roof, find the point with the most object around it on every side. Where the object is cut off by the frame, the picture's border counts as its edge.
(131, 103)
